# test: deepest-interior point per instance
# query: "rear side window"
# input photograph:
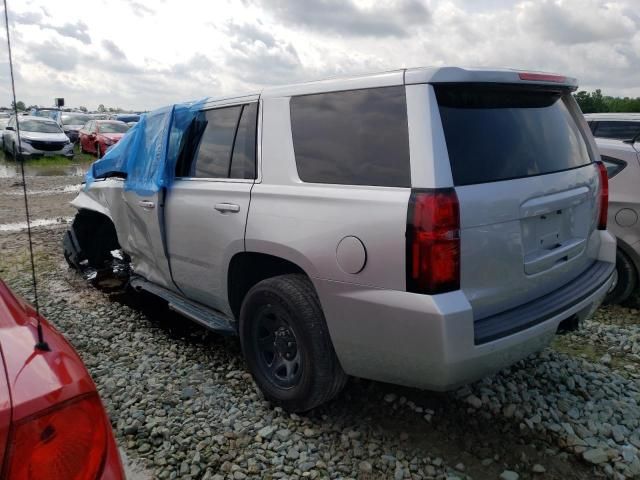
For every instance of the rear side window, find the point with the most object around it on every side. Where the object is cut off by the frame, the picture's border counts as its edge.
(617, 130)
(614, 165)
(357, 137)
(243, 162)
(501, 132)
(214, 152)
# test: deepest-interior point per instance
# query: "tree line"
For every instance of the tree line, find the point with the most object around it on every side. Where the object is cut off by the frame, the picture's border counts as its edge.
(596, 102)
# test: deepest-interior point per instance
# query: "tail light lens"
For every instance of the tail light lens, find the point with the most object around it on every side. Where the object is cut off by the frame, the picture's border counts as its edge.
(67, 442)
(433, 241)
(604, 196)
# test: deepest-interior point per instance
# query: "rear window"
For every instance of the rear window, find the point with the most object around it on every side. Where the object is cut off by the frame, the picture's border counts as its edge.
(357, 137)
(618, 130)
(500, 133)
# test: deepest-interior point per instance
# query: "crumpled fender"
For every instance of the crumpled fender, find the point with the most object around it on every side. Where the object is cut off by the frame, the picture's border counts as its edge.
(84, 201)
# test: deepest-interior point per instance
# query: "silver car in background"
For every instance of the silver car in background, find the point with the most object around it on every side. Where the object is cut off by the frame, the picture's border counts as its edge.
(622, 159)
(40, 136)
(72, 123)
(614, 126)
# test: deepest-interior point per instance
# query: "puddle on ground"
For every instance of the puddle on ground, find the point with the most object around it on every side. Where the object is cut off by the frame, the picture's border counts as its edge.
(43, 168)
(52, 191)
(39, 222)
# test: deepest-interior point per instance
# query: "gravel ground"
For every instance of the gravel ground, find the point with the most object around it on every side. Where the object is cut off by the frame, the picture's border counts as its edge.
(183, 406)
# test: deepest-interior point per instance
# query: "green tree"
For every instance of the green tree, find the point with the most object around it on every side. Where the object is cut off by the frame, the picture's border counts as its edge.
(101, 108)
(83, 109)
(596, 102)
(21, 106)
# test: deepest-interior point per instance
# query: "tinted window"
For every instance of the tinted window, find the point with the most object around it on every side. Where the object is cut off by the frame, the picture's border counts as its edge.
(617, 130)
(214, 151)
(358, 137)
(497, 133)
(114, 127)
(614, 165)
(243, 163)
(39, 126)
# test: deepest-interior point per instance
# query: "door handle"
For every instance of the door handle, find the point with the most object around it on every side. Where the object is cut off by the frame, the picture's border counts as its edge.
(227, 207)
(147, 204)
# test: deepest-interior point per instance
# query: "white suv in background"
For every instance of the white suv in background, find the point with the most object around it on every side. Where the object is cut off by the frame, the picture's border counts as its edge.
(616, 126)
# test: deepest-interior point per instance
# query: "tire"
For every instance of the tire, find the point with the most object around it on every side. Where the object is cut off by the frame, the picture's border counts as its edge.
(626, 280)
(286, 344)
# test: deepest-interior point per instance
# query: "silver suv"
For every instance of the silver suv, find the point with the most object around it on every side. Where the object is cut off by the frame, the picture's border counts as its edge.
(424, 227)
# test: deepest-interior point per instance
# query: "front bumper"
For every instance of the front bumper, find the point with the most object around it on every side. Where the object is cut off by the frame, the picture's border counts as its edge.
(430, 342)
(29, 150)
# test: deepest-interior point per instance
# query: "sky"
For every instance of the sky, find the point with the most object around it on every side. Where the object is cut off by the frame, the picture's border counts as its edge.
(143, 54)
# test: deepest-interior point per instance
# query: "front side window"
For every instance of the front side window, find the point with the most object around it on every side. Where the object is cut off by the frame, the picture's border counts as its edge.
(357, 137)
(243, 162)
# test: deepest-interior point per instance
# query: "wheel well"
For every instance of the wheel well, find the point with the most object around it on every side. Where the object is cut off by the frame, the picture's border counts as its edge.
(248, 268)
(96, 235)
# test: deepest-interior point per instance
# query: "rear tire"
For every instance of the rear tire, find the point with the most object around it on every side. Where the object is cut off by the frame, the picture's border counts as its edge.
(286, 344)
(627, 280)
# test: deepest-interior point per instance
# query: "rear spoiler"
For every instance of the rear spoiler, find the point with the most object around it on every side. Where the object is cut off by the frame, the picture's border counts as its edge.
(469, 75)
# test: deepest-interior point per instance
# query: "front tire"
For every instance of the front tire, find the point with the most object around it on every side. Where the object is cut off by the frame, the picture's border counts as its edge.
(626, 280)
(286, 344)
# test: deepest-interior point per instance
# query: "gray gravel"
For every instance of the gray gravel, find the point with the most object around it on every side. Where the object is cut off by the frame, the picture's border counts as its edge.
(183, 406)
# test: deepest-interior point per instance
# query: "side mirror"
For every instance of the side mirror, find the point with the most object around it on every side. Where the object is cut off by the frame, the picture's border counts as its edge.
(9, 128)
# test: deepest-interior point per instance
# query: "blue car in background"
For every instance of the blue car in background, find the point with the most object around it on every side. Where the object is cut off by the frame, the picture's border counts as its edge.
(52, 113)
(128, 118)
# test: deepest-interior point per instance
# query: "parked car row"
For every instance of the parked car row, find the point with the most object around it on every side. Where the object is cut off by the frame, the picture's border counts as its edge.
(424, 227)
(41, 135)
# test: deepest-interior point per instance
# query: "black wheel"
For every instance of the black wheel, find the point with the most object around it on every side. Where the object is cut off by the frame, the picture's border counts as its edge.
(286, 343)
(625, 280)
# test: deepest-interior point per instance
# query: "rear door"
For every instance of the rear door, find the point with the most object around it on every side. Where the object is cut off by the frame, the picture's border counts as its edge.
(527, 187)
(207, 206)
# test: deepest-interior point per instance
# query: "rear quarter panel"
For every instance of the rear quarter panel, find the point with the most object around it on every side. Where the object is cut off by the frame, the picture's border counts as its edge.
(305, 222)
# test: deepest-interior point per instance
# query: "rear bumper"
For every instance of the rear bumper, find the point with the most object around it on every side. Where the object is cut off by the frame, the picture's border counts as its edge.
(430, 341)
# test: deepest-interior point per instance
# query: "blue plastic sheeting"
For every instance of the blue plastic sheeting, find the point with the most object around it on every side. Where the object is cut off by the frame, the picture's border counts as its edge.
(148, 152)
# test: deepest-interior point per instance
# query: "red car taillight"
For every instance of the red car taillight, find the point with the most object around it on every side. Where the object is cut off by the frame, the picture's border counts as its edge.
(604, 196)
(433, 241)
(67, 442)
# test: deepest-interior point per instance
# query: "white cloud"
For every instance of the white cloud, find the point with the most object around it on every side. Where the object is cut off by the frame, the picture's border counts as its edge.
(145, 53)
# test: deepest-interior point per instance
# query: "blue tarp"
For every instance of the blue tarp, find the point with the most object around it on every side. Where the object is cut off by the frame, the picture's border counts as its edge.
(148, 152)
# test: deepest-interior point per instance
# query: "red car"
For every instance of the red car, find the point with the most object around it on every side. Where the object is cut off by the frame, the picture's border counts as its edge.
(52, 423)
(98, 135)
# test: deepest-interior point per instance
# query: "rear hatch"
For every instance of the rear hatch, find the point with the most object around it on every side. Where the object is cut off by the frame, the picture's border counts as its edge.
(528, 190)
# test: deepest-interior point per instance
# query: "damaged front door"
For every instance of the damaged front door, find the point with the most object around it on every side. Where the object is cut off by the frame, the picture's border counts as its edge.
(145, 236)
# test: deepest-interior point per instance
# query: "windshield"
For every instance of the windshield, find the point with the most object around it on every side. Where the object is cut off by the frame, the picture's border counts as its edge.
(46, 113)
(39, 127)
(77, 119)
(113, 127)
(497, 132)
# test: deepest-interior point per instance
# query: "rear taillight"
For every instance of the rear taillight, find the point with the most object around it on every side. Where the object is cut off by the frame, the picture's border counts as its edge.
(604, 196)
(433, 241)
(66, 442)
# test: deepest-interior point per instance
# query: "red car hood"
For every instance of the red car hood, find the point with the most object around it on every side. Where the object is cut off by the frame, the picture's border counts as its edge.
(113, 136)
(32, 380)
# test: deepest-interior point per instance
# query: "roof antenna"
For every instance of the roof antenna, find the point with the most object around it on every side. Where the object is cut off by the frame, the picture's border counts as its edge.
(41, 344)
